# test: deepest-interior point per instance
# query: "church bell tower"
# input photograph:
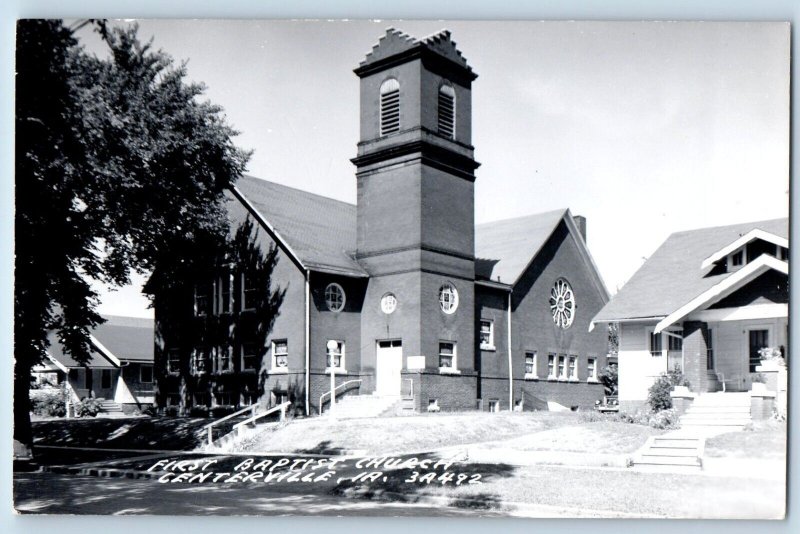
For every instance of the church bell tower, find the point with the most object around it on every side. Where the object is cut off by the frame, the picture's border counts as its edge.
(416, 211)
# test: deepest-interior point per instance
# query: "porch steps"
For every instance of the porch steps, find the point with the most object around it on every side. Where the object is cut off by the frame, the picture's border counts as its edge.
(672, 452)
(716, 413)
(364, 406)
(109, 406)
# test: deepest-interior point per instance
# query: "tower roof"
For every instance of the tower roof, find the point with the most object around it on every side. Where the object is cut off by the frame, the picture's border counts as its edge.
(397, 47)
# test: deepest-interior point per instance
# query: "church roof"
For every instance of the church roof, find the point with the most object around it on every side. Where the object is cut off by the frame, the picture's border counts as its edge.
(674, 276)
(126, 338)
(319, 231)
(503, 249)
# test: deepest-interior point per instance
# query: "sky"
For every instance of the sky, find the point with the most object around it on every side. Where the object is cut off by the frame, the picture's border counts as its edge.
(645, 128)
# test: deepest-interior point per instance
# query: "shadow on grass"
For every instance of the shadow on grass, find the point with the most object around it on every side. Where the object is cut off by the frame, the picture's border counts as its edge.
(323, 447)
(165, 433)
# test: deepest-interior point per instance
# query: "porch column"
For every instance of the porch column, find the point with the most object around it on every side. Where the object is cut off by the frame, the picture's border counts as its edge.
(695, 353)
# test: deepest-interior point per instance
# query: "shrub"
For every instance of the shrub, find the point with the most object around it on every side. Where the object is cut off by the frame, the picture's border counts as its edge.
(222, 411)
(87, 407)
(198, 411)
(658, 395)
(171, 411)
(49, 403)
(663, 419)
(609, 377)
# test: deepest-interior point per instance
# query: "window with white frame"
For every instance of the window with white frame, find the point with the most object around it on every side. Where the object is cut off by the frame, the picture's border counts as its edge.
(447, 111)
(280, 355)
(656, 345)
(173, 360)
(249, 356)
(591, 369)
(530, 364)
(487, 334)
(448, 298)
(573, 367)
(709, 335)
(562, 367)
(335, 356)
(249, 292)
(200, 360)
(224, 398)
(334, 297)
(224, 359)
(202, 299)
(447, 355)
(551, 366)
(225, 302)
(390, 107)
(146, 374)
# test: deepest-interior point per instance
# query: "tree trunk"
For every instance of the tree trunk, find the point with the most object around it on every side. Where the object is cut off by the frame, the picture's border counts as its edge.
(23, 432)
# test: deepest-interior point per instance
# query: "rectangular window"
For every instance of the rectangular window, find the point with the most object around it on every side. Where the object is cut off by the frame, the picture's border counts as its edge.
(530, 364)
(709, 334)
(551, 366)
(487, 334)
(224, 398)
(591, 369)
(336, 356)
(249, 292)
(784, 254)
(202, 299)
(758, 339)
(224, 359)
(447, 355)
(225, 304)
(173, 360)
(249, 357)
(280, 354)
(200, 360)
(202, 398)
(656, 345)
(573, 367)
(105, 379)
(562, 366)
(146, 374)
(675, 340)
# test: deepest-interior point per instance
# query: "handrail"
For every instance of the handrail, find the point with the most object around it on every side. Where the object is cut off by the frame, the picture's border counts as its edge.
(210, 427)
(343, 384)
(282, 407)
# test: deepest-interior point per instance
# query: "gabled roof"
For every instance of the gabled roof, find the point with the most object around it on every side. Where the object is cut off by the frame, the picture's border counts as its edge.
(752, 235)
(672, 277)
(318, 231)
(117, 340)
(504, 249)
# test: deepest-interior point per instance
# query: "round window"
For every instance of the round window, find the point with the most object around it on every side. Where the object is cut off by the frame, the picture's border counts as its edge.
(334, 297)
(448, 298)
(562, 303)
(388, 303)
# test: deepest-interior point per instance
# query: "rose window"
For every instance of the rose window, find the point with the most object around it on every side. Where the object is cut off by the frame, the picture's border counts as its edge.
(562, 303)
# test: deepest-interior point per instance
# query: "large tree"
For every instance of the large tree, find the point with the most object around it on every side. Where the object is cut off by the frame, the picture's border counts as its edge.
(118, 160)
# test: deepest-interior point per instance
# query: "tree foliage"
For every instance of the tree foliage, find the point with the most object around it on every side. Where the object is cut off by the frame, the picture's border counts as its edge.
(118, 160)
(658, 395)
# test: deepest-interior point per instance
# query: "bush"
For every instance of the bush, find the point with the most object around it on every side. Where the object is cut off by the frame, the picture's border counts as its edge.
(50, 403)
(658, 395)
(661, 419)
(609, 377)
(222, 411)
(87, 407)
(198, 411)
(171, 411)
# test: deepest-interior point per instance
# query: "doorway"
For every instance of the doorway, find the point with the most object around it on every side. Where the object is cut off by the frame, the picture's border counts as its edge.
(389, 364)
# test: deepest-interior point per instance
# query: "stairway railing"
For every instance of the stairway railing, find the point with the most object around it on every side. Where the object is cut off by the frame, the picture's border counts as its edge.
(328, 393)
(280, 407)
(210, 427)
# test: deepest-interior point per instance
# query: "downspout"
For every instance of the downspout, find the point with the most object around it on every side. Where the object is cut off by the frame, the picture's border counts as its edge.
(308, 341)
(510, 371)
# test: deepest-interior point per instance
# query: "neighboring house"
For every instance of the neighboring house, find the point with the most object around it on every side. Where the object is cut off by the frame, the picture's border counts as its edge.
(414, 300)
(706, 302)
(120, 368)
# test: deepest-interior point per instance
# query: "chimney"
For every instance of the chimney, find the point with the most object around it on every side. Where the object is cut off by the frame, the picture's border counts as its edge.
(580, 222)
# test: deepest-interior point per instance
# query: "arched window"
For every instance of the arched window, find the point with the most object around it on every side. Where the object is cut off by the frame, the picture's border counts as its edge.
(390, 106)
(447, 111)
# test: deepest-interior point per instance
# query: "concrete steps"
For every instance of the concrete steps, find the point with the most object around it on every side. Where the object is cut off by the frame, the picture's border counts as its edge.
(364, 406)
(718, 412)
(109, 406)
(671, 452)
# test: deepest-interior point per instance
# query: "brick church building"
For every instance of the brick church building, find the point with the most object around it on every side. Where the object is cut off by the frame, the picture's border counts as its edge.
(400, 296)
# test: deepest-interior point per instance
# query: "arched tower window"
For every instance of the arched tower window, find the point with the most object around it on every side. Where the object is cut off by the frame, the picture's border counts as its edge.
(390, 106)
(447, 111)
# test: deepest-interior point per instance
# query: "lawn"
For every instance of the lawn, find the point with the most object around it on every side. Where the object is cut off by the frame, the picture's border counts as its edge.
(604, 493)
(522, 431)
(766, 440)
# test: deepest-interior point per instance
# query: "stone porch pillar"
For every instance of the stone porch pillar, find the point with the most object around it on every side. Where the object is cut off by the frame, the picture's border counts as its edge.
(695, 354)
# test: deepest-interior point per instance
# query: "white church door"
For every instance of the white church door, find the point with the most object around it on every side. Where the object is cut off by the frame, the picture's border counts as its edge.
(389, 363)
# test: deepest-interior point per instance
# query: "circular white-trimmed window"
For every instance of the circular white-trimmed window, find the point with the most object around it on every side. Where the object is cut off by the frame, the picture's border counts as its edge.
(334, 297)
(562, 303)
(448, 298)
(388, 303)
